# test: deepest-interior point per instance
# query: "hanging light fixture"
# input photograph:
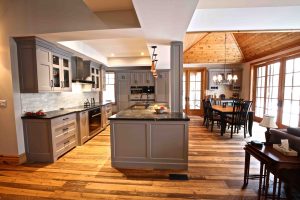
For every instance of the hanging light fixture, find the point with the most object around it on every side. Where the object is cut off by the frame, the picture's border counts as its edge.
(222, 79)
(154, 62)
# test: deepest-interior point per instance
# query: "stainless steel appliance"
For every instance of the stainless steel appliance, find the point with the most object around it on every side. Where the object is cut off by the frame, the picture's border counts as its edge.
(94, 120)
(142, 93)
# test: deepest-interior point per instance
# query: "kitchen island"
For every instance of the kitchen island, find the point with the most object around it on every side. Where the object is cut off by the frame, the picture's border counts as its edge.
(140, 138)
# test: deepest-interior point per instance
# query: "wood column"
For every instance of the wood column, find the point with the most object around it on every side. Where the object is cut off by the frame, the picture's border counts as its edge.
(176, 76)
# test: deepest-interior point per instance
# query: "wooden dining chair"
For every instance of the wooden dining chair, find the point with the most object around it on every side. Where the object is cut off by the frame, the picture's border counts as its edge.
(212, 117)
(239, 118)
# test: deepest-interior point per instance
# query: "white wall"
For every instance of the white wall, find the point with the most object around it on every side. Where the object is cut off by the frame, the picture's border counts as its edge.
(30, 17)
(246, 71)
(129, 61)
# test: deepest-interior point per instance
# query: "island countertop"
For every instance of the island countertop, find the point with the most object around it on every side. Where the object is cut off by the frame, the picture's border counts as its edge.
(149, 114)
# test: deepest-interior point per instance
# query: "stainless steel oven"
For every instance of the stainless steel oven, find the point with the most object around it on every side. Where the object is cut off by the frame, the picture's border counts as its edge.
(94, 120)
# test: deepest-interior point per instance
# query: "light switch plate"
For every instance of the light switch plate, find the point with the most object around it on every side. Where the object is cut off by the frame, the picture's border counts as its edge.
(3, 103)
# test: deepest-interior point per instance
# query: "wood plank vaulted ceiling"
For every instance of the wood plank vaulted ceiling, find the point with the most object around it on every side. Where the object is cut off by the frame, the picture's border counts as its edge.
(240, 47)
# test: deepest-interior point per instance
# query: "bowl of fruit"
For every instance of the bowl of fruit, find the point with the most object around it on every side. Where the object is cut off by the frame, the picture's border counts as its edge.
(160, 109)
(34, 114)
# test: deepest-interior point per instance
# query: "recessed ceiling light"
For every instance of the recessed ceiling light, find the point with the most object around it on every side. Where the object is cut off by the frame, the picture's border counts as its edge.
(112, 54)
(142, 53)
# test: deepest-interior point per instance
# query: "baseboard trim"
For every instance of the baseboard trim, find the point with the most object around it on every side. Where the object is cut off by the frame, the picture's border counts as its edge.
(13, 160)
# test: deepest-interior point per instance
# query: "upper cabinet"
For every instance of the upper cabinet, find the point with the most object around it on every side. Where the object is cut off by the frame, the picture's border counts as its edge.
(103, 78)
(95, 72)
(43, 67)
(141, 79)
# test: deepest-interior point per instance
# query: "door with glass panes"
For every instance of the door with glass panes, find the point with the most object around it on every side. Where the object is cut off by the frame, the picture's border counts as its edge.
(192, 91)
(277, 91)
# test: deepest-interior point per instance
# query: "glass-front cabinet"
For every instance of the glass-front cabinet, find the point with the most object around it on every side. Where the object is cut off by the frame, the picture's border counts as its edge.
(95, 73)
(61, 73)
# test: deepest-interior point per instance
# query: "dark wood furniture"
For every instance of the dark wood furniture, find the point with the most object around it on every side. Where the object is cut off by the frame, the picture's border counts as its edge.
(229, 110)
(271, 161)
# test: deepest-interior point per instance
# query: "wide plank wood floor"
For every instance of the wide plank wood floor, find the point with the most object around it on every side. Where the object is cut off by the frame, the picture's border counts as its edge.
(215, 170)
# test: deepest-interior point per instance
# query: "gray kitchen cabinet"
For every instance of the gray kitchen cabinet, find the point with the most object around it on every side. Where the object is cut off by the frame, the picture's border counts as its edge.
(162, 87)
(103, 78)
(149, 79)
(83, 127)
(43, 67)
(106, 112)
(44, 70)
(123, 85)
(136, 78)
(61, 73)
(48, 139)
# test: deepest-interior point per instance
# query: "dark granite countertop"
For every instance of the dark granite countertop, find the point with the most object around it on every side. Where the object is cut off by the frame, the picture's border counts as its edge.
(149, 114)
(65, 111)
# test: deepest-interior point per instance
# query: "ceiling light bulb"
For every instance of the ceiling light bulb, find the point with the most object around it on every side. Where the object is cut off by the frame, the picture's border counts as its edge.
(142, 53)
(235, 77)
(229, 77)
(220, 78)
(112, 54)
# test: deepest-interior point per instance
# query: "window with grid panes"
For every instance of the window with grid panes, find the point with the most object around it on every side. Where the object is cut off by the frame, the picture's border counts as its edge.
(291, 101)
(109, 93)
(260, 91)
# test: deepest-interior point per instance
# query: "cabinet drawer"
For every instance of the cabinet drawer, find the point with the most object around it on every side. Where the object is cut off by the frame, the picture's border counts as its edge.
(65, 145)
(63, 119)
(64, 128)
(64, 135)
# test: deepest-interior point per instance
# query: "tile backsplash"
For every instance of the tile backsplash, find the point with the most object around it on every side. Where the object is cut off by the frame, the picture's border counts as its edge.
(54, 101)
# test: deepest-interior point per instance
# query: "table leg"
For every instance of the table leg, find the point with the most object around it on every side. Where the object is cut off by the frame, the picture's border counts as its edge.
(274, 187)
(246, 169)
(279, 189)
(267, 183)
(250, 122)
(260, 179)
(223, 123)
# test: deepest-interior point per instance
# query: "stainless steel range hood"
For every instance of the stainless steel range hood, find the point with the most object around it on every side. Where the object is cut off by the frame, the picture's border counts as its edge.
(80, 73)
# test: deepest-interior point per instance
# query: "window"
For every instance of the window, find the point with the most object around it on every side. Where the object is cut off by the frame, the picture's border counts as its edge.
(277, 90)
(109, 93)
(291, 101)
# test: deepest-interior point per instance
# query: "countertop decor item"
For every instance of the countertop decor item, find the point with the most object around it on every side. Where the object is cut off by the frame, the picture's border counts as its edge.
(268, 122)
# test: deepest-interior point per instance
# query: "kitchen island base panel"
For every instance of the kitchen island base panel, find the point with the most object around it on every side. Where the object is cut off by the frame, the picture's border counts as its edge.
(149, 166)
(149, 144)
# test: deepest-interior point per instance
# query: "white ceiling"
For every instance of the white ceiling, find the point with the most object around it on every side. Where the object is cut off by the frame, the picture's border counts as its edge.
(164, 21)
(245, 15)
(209, 4)
(120, 47)
(108, 5)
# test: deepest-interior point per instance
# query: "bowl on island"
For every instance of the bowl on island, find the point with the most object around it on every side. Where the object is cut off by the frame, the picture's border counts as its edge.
(159, 110)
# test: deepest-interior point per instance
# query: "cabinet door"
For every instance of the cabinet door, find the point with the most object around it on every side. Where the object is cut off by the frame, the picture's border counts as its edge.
(133, 79)
(84, 126)
(103, 79)
(44, 69)
(56, 72)
(162, 87)
(149, 79)
(123, 76)
(66, 80)
(123, 94)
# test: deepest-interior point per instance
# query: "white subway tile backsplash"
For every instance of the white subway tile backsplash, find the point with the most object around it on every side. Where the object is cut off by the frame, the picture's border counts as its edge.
(54, 101)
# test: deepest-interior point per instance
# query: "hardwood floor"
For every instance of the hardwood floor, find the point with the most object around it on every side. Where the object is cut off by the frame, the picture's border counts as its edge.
(215, 170)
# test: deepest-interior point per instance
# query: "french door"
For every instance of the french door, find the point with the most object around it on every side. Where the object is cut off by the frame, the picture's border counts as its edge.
(277, 91)
(193, 91)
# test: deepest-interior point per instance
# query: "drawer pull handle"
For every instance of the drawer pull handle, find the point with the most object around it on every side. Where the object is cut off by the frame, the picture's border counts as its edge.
(65, 129)
(65, 118)
(66, 142)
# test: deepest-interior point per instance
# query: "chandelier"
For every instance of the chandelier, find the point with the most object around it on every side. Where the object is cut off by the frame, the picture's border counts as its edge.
(221, 78)
(154, 62)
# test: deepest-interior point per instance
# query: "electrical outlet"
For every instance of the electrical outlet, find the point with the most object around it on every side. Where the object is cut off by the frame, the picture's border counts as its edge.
(3, 103)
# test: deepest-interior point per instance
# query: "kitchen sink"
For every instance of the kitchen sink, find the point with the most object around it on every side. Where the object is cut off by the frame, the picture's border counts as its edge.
(139, 106)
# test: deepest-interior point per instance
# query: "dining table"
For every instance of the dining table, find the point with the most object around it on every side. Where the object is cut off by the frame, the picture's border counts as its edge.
(227, 110)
